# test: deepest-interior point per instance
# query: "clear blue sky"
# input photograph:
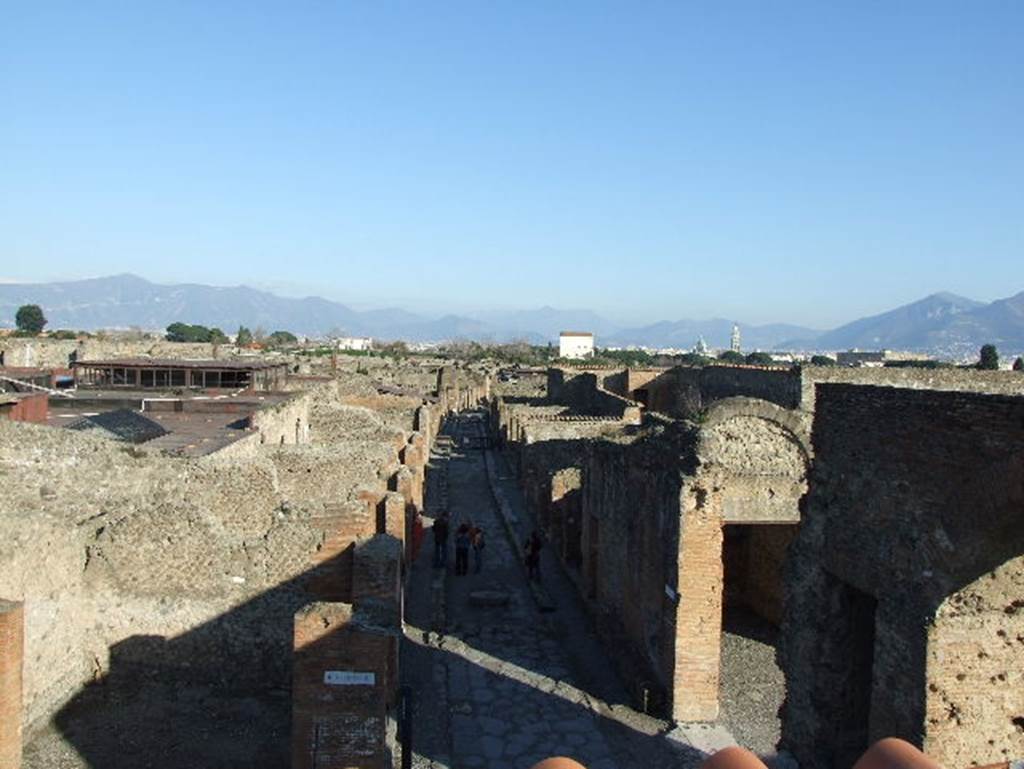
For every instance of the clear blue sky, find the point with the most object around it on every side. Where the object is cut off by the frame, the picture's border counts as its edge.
(806, 162)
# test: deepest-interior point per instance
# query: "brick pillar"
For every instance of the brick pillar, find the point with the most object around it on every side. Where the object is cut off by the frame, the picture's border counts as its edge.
(340, 525)
(699, 610)
(377, 578)
(393, 520)
(12, 647)
(410, 486)
(424, 424)
(377, 569)
(415, 452)
(372, 499)
(340, 687)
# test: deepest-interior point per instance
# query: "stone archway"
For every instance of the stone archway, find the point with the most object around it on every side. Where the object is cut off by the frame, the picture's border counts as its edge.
(753, 464)
(757, 455)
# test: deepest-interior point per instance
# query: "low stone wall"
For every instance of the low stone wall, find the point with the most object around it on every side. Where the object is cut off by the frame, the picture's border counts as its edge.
(285, 423)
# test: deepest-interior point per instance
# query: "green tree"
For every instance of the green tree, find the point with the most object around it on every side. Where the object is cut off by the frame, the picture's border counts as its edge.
(183, 332)
(30, 318)
(281, 339)
(244, 337)
(693, 359)
(1018, 365)
(731, 356)
(217, 336)
(395, 349)
(759, 359)
(989, 358)
(822, 360)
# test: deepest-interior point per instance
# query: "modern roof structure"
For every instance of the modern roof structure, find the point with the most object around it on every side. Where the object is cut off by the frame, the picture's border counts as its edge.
(122, 424)
(172, 373)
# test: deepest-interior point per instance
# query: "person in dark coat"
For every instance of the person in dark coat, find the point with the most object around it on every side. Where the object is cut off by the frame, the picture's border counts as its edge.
(533, 547)
(440, 530)
(462, 550)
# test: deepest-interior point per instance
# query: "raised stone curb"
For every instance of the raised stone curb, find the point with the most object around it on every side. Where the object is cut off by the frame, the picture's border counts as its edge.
(510, 520)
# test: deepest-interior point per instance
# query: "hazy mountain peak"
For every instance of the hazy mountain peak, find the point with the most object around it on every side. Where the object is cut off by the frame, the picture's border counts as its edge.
(943, 321)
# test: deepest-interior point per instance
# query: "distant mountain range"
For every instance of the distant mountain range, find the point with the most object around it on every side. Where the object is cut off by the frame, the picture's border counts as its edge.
(941, 323)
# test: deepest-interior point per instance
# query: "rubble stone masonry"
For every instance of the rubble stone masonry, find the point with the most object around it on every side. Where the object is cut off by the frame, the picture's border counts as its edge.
(903, 610)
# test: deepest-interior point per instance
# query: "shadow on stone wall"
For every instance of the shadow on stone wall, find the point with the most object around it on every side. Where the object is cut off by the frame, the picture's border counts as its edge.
(216, 696)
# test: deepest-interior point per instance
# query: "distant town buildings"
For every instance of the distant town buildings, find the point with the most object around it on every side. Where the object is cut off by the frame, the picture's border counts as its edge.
(701, 348)
(735, 341)
(876, 357)
(575, 344)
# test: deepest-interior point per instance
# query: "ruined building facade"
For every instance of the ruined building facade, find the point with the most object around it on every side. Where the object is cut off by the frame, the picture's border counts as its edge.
(129, 572)
(874, 516)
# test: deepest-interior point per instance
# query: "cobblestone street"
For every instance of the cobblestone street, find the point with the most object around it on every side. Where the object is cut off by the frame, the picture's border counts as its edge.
(507, 684)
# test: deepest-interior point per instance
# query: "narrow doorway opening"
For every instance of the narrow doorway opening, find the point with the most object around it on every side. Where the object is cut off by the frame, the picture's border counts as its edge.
(852, 651)
(564, 523)
(751, 684)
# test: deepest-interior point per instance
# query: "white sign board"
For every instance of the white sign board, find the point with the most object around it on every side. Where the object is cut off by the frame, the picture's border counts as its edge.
(348, 678)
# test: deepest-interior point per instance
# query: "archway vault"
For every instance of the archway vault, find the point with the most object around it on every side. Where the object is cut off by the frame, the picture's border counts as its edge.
(757, 456)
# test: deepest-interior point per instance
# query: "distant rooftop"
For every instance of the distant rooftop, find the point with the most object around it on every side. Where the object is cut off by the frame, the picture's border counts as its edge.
(575, 333)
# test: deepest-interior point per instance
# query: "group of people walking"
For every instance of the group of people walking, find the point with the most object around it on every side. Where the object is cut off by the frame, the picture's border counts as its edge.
(470, 536)
(467, 536)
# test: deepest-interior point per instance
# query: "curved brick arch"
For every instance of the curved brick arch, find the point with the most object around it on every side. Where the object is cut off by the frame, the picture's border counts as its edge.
(796, 423)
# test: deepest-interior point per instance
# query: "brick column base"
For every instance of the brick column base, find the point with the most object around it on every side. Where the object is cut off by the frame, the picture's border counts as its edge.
(341, 670)
(12, 649)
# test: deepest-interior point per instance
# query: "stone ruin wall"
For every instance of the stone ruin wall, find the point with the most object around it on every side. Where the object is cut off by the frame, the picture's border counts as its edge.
(974, 672)
(57, 353)
(285, 423)
(154, 561)
(952, 379)
(684, 391)
(903, 586)
(750, 473)
(587, 481)
(583, 393)
(630, 508)
(105, 543)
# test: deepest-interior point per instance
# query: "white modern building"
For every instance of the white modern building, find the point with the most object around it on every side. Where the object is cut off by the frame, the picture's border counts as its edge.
(575, 344)
(355, 343)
